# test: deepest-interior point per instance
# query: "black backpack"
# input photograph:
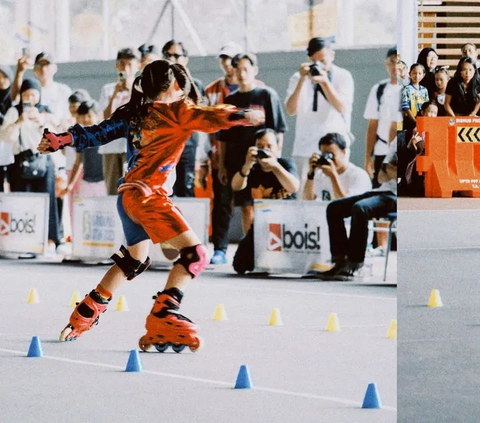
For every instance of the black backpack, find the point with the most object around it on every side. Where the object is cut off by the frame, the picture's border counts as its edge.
(380, 91)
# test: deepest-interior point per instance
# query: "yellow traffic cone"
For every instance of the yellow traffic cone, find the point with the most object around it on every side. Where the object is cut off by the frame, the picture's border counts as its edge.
(122, 304)
(392, 330)
(32, 296)
(333, 325)
(75, 299)
(435, 300)
(275, 318)
(220, 313)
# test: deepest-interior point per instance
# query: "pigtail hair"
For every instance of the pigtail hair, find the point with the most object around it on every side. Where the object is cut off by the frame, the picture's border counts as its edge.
(185, 81)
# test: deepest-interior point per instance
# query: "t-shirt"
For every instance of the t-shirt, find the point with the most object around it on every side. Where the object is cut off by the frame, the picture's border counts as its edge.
(391, 157)
(354, 181)
(92, 165)
(385, 113)
(462, 103)
(55, 96)
(313, 125)
(239, 138)
(413, 98)
(266, 185)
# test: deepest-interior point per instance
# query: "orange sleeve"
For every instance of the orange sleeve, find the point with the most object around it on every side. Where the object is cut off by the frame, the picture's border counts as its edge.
(206, 118)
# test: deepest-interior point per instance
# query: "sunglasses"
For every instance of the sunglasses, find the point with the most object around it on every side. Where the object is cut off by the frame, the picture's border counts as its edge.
(176, 56)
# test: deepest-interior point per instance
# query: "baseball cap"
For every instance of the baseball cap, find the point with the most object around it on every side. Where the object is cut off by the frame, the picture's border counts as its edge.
(249, 56)
(7, 71)
(43, 56)
(230, 49)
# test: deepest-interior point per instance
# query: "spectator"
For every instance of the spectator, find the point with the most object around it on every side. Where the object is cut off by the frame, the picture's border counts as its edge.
(413, 96)
(348, 252)
(331, 175)
(470, 50)
(175, 52)
(461, 97)
(265, 175)
(222, 199)
(23, 127)
(239, 139)
(320, 94)
(88, 160)
(402, 72)
(382, 103)
(441, 81)
(114, 95)
(148, 54)
(6, 154)
(428, 58)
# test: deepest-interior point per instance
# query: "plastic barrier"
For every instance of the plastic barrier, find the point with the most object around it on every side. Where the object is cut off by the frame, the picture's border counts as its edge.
(23, 222)
(290, 236)
(452, 156)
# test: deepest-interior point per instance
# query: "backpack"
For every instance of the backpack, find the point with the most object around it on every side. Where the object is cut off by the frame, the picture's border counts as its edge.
(380, 91)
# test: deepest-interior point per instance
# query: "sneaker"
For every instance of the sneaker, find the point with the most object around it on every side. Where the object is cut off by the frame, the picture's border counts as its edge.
(219, 257)
(341, 272)
(376, 252)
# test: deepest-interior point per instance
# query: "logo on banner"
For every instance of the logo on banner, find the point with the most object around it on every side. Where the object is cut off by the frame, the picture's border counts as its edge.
(99, 228)
(14, 224)
(282, 237)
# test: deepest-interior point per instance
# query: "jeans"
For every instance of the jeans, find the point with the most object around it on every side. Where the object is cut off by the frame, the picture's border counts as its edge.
(361, 208)
(221, 213)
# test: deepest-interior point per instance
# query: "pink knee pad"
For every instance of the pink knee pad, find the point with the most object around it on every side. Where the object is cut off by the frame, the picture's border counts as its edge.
(194, 259)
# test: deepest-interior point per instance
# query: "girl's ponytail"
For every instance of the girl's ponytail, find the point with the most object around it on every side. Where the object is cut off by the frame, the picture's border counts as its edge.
(185, 81)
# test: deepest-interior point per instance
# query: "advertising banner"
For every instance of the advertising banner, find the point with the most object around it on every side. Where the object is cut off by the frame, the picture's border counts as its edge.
(23, 222)
(290, 236)
(97, 229)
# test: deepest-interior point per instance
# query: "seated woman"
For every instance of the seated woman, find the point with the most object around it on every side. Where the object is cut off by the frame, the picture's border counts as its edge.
(461, 97)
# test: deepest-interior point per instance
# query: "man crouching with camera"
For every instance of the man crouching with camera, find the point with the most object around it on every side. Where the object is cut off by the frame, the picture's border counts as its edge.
(331, 175)
(266, 176)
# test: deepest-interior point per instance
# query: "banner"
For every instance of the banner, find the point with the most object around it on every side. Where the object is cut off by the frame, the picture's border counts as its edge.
(196, 212)
(24, 222)
(290, 236)
(97, 229)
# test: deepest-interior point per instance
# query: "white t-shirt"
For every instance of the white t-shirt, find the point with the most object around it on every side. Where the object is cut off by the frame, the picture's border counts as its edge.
(388, 111)
(310, 125)
(354, 181)
(391, 156)
(55, 96)
(120, 145)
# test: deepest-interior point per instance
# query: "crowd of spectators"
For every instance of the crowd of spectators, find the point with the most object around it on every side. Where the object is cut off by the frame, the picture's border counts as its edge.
(245, 163)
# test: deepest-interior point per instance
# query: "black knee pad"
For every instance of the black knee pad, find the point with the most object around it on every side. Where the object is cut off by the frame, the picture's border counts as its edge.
(130, 266)
(194, 259)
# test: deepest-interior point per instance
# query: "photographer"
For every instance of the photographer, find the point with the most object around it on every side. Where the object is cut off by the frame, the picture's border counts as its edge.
(320, 94)
(264, 175)
(331, 175)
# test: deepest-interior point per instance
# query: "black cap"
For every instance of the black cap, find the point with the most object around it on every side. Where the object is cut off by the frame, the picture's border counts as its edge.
(319, 43)
(127, 54)
(43, 56)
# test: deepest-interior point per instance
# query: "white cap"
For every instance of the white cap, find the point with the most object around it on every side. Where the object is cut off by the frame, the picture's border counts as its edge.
(230, 49)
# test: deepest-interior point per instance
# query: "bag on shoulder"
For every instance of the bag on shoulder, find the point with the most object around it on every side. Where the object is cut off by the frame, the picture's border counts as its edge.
(32, 165)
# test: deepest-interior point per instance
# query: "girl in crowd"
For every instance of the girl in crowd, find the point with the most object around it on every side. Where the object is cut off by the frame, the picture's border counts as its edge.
(428, 58)
(441, 80)
(461, 97)
(159, 119)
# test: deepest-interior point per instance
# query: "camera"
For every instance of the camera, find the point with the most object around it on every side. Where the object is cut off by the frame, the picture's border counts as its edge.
(325, 159)
(316, 68)
(262, 154)
(27, 106)
(122, 77)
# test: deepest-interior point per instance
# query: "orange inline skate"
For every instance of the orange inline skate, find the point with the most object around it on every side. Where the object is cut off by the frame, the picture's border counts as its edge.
(86, 314)
(166, 327)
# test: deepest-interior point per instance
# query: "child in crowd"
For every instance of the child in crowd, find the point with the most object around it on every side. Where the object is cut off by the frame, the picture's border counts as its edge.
(441, 80)
(413, 96)
(158, 120)
(462, 92)
(402, 72)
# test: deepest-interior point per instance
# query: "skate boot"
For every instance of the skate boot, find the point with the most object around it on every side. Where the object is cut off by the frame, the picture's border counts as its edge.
(166, 327)
(85, 315)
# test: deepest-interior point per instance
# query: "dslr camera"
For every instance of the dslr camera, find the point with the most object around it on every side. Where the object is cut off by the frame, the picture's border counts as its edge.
(316, 68)
(325, 159)
(262, 154)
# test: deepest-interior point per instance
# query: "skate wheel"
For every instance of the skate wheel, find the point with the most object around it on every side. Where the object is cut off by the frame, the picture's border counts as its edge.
(199, 342)
(178, 348)
(64, 333)
(143, 345)
(161, 347)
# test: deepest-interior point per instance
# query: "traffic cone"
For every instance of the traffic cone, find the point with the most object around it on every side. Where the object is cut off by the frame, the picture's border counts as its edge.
(32, 296)
(35, 349)
(134, 363)
(75, 299)
(122, 304)
(372, 398)
(244, 380)
(435, 300)
(275, 318)
(332, 324)
(392, 330)
(220, 313)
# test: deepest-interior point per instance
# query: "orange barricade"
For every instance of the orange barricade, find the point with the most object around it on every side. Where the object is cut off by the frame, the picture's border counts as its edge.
(452, 156)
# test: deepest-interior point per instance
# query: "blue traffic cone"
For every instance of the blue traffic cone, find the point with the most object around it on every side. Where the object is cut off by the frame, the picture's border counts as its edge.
(372, 398)
(35, 349)
(244, 381)
(134, 364)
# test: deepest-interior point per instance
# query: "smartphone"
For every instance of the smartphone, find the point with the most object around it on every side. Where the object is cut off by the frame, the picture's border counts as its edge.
(25, 52)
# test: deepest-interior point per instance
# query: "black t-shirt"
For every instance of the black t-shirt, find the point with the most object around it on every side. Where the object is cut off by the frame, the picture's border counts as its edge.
(266, 185)
(92, 165)
(462, 103)
(239, 138)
